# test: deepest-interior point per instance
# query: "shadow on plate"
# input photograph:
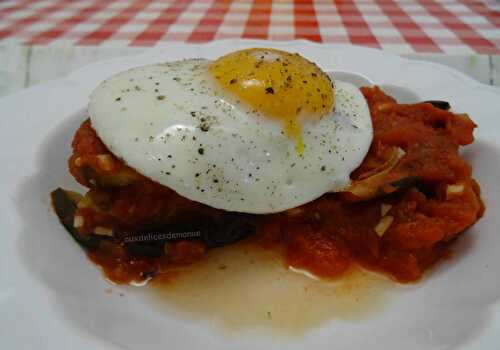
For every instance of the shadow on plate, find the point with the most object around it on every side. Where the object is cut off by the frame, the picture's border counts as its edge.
(78, 290)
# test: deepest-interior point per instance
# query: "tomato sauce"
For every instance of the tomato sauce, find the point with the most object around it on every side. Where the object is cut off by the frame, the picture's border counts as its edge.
(401, 233)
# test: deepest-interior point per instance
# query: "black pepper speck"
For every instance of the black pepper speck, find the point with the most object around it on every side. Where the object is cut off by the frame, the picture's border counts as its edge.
(269, 90)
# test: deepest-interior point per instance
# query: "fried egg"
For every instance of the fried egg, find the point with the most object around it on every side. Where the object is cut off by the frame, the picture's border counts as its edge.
(255, 131)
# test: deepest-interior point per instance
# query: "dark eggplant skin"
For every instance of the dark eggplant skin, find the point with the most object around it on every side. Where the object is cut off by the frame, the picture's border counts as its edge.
(414, 181)
(65, 209)
(214, 231)
(444, 105)
(221, 230)
(228, 228)
(406, 182)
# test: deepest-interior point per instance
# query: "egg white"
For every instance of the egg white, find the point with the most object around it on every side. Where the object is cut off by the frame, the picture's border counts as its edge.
(171, 124)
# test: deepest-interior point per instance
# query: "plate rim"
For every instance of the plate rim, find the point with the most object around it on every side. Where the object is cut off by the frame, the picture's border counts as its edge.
(71, 76)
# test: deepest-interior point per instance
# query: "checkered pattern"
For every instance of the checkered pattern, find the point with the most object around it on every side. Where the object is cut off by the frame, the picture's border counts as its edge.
(403, 26)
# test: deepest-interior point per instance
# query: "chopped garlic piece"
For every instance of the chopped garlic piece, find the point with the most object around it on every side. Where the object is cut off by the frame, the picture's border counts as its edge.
(454, 190)
(105, 162)
(103, 231)
(79, 162)
(383, 225)
(384, 209)
(78, 221)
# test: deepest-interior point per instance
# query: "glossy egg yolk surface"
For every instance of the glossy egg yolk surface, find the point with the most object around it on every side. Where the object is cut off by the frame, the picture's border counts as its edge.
(277, 84)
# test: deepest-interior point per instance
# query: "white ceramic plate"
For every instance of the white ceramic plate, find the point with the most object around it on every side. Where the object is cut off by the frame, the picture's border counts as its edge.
(51, 296)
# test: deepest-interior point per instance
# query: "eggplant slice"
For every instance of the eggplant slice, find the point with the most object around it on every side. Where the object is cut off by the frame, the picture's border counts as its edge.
(64, 203)
(214, 231)
(444, 105)
(371, 187)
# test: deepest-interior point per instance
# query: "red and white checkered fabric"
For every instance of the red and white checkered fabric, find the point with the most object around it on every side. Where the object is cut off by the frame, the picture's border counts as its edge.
(403, 26)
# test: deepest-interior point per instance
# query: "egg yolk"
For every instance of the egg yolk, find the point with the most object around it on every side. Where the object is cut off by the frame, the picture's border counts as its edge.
(280, 85)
